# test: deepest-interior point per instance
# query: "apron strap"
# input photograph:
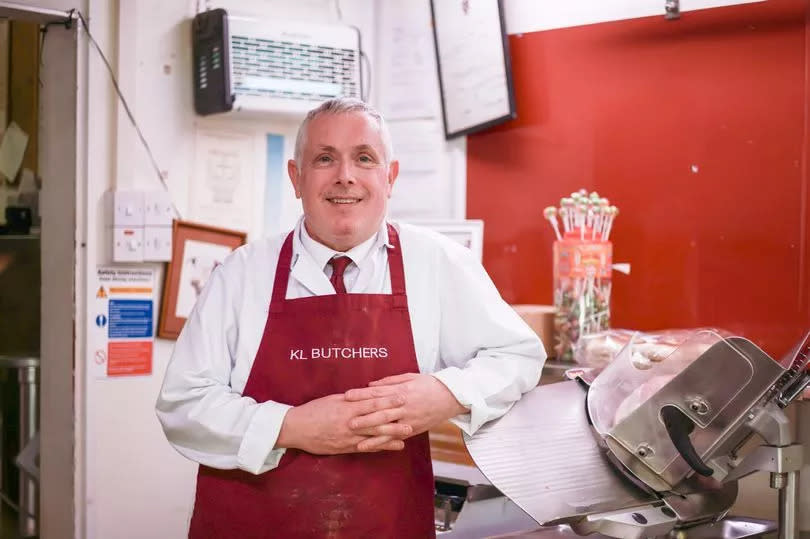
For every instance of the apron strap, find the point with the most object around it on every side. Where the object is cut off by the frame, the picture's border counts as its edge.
(282, 275)
(397, 270)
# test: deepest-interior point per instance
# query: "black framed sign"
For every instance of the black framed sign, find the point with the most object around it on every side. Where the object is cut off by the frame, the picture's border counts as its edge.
(475, 73)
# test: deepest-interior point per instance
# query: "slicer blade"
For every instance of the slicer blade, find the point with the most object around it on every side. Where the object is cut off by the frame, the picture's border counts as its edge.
(544, 456)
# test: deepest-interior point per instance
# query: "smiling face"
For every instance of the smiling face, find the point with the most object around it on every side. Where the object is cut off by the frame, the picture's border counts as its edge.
(344, 179)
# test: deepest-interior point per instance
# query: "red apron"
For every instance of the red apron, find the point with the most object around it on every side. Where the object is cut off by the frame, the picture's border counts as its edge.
(313, 347)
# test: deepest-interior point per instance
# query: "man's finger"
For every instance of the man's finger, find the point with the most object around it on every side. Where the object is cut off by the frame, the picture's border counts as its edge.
(397, 430)
(346, 445)
(393, 445)
(367, 406)
(364, 393)
(373, 444)
(376, 419)
(391, 380)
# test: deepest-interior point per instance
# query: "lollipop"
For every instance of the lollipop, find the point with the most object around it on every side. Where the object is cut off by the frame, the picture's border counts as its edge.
(614, 211)
(565, 217)
(567, 204)
(550, 213)
(597, 221)
(582, 212)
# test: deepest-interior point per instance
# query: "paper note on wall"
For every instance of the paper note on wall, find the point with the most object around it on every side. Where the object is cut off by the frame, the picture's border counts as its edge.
(422, 190)
(222, 188)
(409, 86)
(12, 150)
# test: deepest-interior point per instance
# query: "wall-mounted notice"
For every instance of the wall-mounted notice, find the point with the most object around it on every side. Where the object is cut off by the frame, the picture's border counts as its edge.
(475, 73)
(221, 193)
(409, 87)
(122, 322)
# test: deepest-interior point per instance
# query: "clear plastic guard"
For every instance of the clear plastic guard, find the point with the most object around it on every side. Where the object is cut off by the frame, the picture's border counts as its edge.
(637, 373)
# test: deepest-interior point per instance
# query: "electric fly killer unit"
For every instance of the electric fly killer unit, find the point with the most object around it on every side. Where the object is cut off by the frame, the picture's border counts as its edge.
(258, 65)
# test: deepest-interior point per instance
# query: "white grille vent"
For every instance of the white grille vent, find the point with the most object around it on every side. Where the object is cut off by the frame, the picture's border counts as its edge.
(290, 67)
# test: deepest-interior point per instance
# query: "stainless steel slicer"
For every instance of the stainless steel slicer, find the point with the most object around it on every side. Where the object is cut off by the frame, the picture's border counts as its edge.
(653, 446)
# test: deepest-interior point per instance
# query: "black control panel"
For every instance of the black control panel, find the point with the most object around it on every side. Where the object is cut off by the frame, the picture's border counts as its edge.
(211, 50)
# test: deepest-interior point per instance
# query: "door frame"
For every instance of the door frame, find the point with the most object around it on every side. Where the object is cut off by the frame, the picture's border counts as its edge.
(61, 163)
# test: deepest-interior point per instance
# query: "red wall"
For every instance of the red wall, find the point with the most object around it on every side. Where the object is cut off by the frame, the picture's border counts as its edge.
(626, 108)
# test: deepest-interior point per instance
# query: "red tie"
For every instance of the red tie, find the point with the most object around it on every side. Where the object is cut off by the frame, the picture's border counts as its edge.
(338, 267)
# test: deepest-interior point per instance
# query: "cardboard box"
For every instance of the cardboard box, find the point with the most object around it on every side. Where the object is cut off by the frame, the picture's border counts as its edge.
(447, 444)
(541, 319)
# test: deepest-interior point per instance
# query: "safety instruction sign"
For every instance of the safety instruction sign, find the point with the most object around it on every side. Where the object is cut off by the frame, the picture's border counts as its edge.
(130, 318)
(122, 322)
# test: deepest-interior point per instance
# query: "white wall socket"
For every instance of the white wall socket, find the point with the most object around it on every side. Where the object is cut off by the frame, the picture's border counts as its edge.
(128, 244)
(157, 243)
(158, 210)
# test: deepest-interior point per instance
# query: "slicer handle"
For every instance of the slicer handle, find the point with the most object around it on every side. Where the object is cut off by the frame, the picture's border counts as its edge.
(679, 427)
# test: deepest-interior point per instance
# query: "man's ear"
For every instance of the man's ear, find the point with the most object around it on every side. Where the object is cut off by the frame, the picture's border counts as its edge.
(295, 176)
(393, 172)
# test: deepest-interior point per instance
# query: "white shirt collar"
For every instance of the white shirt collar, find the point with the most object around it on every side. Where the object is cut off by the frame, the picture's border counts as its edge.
(321, 254)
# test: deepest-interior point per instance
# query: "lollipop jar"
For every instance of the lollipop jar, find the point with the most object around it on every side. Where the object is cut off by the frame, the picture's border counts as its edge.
(582, 282)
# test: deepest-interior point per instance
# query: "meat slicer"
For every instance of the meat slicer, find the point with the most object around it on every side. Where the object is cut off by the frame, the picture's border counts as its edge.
(654, 444)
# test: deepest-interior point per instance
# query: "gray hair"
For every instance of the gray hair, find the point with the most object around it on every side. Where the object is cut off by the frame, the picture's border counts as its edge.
(342, 105)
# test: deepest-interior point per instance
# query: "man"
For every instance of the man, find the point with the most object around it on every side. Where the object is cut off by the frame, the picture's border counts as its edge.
(313, 364)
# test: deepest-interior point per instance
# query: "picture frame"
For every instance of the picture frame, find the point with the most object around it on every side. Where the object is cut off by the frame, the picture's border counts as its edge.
(467, 232)
(196, 250)
(475, 70)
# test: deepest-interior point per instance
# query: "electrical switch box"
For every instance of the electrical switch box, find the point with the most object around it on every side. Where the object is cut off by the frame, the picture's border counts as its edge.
(141, 225)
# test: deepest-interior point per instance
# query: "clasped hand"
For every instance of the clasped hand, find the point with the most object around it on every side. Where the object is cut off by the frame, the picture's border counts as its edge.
(376, 418)
(426, 403)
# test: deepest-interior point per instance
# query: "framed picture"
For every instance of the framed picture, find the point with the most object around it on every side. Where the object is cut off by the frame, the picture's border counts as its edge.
(469, 232)
(475, 72)
(196, 250)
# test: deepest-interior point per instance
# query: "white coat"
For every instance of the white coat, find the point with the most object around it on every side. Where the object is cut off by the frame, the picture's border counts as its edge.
(464, 334)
